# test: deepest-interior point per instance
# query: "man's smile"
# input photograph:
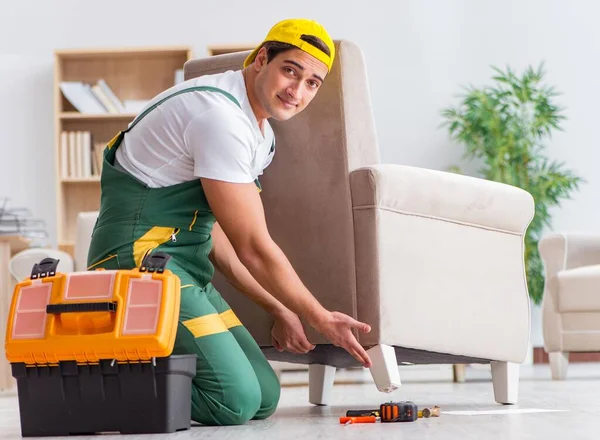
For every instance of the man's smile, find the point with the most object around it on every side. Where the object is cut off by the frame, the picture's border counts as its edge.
(286, 103)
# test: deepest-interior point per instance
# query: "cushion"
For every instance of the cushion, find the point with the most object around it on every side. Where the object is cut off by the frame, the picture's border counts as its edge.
(579, 289)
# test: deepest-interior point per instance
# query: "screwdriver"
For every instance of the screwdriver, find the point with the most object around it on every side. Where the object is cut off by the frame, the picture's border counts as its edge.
(365, 419)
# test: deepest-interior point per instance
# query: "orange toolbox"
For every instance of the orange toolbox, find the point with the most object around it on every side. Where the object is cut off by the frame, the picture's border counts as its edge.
(91, 351)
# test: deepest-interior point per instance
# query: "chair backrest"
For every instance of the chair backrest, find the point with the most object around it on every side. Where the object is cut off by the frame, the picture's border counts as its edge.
(85, 226)
(306, 189)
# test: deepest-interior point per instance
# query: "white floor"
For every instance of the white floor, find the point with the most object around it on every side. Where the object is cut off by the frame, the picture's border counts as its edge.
(577, 400)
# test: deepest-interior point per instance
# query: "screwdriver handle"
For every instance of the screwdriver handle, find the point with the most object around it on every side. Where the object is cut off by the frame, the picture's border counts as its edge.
(361, 412)
(347, 420)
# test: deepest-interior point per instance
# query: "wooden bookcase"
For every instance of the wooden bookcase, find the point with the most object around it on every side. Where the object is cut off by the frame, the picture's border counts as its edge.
(228, 48)
(132, 74)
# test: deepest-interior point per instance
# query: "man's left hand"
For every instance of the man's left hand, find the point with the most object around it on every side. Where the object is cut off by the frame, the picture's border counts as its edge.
(288, 334)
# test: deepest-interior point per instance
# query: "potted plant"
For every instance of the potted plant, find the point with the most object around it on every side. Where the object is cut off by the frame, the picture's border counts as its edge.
(505, 127)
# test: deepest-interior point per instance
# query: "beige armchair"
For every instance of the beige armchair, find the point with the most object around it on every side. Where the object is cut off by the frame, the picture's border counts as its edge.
(433, 261)
(571, 303)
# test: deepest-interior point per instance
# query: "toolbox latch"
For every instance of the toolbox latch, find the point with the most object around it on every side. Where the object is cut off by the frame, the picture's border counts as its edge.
(45, 268)
(155, 262)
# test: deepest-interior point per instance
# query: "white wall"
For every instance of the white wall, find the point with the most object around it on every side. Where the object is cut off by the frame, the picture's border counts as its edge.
(418, 53)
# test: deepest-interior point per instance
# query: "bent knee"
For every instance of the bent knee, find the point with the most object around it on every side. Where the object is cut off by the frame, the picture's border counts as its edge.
(239, 406)
(271, 392)
(241, 410)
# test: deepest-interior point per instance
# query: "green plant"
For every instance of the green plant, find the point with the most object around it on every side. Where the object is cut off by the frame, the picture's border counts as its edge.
(505, 126)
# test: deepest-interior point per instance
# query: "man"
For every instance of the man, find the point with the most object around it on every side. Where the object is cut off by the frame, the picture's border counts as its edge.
(183, 179)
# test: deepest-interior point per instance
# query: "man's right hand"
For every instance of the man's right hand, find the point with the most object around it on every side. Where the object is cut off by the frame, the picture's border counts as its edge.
(337, 327)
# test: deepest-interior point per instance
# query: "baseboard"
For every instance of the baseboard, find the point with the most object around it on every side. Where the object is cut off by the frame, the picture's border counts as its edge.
(541, 357)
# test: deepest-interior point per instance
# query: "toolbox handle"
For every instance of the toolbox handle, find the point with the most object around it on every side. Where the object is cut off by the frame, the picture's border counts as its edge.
(108, 306)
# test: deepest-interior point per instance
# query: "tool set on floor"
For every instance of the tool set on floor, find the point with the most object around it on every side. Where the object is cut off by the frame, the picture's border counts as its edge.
(405, 411)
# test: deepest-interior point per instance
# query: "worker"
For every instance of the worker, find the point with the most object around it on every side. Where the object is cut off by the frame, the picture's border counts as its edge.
(183, 179)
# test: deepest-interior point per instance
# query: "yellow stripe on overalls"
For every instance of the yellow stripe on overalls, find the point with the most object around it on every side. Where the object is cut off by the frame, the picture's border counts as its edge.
(150, 240)
(112, 142)
(205, 325)
(110, 257)
(230, 319)
(211, 324)
(194, 220)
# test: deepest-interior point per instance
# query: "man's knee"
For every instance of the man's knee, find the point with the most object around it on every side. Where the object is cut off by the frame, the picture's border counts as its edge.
(271, 392)
(240, 404)
(243, 405)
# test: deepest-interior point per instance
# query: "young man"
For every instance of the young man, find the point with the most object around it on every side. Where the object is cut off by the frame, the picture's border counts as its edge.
(183, 179)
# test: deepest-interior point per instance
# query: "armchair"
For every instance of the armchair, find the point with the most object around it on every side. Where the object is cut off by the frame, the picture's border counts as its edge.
(571, 303)
(433, 261)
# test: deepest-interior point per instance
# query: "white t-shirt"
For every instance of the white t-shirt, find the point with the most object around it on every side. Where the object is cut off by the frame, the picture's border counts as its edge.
(198, 134)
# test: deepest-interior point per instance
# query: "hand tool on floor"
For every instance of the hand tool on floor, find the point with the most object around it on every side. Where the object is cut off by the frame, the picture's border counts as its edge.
(362, 413)
(405, 411)
(365, 419)
(430, 412)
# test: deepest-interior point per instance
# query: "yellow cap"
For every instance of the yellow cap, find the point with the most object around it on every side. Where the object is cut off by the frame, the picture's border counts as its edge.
(290, 31)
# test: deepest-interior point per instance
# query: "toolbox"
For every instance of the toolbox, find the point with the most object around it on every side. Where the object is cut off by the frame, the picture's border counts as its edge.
(91, 351)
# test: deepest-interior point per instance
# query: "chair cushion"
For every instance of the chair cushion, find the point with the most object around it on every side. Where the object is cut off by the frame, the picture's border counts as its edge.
(579, 289)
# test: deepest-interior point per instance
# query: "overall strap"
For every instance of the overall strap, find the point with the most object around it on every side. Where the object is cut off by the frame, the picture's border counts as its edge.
(190, 89)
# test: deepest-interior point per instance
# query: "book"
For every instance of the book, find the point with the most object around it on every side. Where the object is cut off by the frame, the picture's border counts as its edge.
(111, 95)
(104, 100)
(76, 155)
(80, 97)
(64, 155)
(86, 154)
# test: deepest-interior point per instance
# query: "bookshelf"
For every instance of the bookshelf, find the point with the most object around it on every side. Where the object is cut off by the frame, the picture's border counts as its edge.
(228, 48)
(133, 74)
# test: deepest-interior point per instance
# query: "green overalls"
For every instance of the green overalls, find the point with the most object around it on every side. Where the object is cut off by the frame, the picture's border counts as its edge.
(234, 382)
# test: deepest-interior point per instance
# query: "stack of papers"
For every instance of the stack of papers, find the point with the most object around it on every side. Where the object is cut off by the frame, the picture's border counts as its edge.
(18, 221)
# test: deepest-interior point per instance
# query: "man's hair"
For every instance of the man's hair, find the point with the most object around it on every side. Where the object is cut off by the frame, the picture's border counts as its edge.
(274, 48)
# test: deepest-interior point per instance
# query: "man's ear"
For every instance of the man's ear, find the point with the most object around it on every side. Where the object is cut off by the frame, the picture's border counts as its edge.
(261, 59)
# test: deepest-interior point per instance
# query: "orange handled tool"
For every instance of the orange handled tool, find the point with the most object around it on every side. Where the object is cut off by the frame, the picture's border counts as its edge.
(349, 420)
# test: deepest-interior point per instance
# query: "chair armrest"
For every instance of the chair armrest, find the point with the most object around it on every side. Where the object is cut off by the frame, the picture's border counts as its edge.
(442, 195)
(442, 252)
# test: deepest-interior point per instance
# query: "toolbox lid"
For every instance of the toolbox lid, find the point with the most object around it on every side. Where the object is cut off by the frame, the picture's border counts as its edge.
(127, 315)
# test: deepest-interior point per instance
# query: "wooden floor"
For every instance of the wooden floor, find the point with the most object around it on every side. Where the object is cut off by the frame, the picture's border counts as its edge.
(546, 409)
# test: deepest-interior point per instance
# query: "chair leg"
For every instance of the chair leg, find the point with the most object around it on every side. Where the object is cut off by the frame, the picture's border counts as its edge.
(559, 361)
(385, 370)
(505, 377)
(459, 373)
(320, 383)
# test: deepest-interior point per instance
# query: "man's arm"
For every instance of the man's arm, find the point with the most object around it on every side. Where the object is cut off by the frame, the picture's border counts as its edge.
(239, 211)
(287, 332)
(226, 261)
